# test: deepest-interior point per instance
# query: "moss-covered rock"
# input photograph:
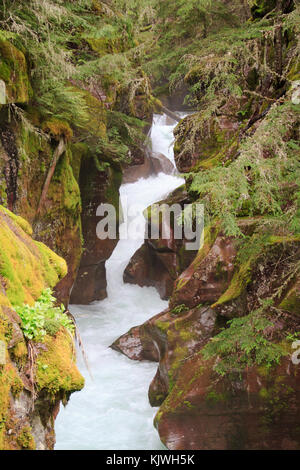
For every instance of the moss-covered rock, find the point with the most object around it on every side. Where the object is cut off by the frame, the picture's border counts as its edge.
(27, 267)
(291, 302)
(57, 129)
(201, 145)
(255, 410)
(57, 373)
(251, 281)
(259, 8)
(37, 264)
(13, 71)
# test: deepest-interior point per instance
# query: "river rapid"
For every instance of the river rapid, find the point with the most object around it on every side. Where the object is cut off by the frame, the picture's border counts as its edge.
(112, 412)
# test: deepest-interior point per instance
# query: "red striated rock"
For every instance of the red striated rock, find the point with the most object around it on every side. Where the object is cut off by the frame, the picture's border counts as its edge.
(151, 268)
(96, 187)
(177, 336)
(159, 262)
(136, 345)
(253, 411)
(169, 338)
(148, 164)
(208, 276)
(161, 164)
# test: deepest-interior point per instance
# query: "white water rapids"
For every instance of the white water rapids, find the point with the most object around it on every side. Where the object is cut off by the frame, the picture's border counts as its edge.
(112, 411)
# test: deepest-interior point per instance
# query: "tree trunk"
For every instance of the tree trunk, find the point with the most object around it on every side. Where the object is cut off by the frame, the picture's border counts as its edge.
(56, 156)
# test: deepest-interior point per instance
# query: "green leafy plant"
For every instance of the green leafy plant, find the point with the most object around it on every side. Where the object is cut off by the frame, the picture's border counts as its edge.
(244, 344)
(43, 317)
(180, 309)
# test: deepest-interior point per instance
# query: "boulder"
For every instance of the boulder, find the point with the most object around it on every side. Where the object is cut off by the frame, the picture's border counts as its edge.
(255, 410)
(159, 262)
(147, 165)
(96, 187)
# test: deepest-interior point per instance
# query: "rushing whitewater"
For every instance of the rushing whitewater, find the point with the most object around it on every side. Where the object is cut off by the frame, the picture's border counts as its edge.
(112, 411)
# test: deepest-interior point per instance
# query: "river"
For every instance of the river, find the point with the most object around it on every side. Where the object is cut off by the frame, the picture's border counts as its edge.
(112, 412)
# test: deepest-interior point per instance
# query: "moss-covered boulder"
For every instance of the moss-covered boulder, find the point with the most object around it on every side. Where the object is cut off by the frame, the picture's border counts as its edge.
(13, 72)
(40, 374)
(201, 145)
(39, 267)
(255, 410)
(251, 280)
(209, 274)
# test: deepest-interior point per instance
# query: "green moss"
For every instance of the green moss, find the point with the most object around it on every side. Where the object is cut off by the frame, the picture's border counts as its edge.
(57, 129)
(78, 152)
(210, 235)
(53, 267)
(249, 256)
(263, 393)
(179, 309)
(27, 266)
(64, 190)
(294, 71)
(112, 191)
(13, 71)
(188, 404)
(291, 302)
(19, 353)
(96, 124)
(25, 439)
(180, 353)
(9, 383)
(162, 325)
(276, 398)
(18, 220)
(181, 387)
(239, 282)
(52, 326)
(213, 398)
(56, 367)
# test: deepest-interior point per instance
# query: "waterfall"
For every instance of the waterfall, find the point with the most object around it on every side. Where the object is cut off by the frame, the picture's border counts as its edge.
(112, 411)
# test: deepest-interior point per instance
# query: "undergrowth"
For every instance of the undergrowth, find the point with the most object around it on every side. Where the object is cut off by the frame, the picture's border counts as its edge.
(245, 343)
(43, 317)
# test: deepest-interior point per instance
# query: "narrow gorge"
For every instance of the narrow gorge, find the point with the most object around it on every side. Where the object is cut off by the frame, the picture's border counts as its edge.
(141, 341)
(121, 383)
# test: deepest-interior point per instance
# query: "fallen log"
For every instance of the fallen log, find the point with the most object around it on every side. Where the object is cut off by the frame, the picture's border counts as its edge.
(171, 114)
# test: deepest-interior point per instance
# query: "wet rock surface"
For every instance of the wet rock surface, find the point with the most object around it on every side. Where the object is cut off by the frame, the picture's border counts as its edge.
(159, 261)
(255, 410)
(97, 188)
(148, 164)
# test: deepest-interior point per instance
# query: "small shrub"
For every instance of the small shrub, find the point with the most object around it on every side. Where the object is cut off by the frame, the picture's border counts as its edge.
(52, 326)
(43, 317)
